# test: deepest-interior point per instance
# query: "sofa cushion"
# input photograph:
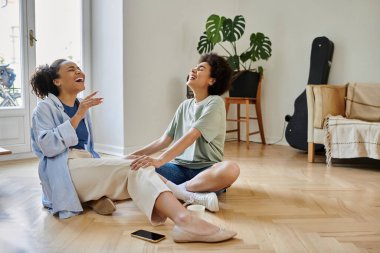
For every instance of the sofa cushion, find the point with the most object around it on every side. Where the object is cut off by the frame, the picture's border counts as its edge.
(363, 102)
(329, 100)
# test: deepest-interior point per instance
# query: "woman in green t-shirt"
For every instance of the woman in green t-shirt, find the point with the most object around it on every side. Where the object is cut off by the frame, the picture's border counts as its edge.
(194, 161)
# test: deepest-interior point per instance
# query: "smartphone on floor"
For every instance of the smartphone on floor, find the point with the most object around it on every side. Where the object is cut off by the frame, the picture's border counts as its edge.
(148, 236)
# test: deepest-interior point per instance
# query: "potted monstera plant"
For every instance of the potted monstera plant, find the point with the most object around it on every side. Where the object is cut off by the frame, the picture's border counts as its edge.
(225, 32)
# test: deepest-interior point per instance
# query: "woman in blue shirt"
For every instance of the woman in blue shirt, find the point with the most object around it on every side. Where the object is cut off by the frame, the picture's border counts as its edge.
(69, 173)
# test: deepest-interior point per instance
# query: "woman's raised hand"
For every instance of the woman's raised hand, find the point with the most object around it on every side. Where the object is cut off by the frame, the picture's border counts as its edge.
(84, 105)
(87, 103)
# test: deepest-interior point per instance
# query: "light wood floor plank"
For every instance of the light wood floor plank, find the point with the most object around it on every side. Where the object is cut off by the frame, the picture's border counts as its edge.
(280, 203)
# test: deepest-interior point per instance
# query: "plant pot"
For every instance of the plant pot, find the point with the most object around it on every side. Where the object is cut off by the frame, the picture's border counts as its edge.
(244, 84)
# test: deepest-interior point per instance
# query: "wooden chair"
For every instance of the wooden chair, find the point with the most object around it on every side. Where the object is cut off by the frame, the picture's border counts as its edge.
(247, 102)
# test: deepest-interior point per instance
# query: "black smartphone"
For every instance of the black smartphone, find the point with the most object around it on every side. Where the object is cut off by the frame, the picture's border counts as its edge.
(148, 236)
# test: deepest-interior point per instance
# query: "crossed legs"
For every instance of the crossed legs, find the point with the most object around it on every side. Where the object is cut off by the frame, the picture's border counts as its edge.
(219, 176)
(95, 178)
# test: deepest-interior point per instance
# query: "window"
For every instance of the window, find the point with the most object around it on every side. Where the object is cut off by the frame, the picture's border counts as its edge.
(10, 70)
(58, 30)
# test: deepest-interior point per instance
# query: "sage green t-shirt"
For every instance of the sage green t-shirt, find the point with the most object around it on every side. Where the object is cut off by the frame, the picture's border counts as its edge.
(209, 117)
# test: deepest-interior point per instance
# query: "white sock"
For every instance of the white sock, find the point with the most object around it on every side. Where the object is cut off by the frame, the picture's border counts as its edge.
(179, 191)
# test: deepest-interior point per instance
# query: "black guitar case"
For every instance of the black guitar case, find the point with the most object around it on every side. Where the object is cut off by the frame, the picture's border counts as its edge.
(320, 62)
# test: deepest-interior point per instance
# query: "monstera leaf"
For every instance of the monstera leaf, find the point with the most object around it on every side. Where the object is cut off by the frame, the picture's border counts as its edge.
(204, 44)
(260, 48)
(214, 28)
(233, 30)
(234, 62)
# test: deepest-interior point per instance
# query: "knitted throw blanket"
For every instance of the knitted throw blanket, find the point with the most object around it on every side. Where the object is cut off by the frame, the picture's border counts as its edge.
(351, 138)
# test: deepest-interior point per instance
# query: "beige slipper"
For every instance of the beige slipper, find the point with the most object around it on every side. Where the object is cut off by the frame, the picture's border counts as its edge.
(180, 235)
(103, 206)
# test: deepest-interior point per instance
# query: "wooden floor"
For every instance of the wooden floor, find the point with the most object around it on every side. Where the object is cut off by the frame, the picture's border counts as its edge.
(280, 203)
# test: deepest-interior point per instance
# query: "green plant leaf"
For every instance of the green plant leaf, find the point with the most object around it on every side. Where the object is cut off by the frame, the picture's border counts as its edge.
(245, 56)
(204, 44)
(260, 69)
(260, 47)
(221, 29)
(233, 30)
(234, 62)
(239, 26)
(214, 28)
(227, 30)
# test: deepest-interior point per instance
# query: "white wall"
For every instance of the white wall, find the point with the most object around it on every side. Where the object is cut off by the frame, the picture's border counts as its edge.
(159, 47)
(107, 74)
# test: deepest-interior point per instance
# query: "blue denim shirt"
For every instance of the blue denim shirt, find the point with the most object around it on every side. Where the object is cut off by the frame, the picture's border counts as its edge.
(52, 135)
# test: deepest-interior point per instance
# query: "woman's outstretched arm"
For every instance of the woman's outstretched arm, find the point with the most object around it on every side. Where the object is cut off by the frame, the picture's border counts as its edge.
(178, 147)
(154, 146)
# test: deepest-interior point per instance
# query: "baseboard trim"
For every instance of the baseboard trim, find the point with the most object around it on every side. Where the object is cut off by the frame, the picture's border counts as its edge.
(114, 150)
(257, 139)
(109, 149)
(17, 156)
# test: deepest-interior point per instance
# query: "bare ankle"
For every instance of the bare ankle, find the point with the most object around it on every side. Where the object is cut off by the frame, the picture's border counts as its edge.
(183, 218)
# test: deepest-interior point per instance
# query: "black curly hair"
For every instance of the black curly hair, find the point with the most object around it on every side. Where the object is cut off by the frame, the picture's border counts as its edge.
(42, 79)
(220, 70)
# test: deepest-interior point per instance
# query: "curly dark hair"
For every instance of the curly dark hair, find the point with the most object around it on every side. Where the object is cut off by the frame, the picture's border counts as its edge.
(220, 70)
(42, 79)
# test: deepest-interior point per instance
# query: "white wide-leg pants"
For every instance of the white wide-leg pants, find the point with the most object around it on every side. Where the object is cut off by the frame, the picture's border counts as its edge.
(94, 178)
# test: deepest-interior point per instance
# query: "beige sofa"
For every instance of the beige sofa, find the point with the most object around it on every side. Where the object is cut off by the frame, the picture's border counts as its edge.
(359, 106)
